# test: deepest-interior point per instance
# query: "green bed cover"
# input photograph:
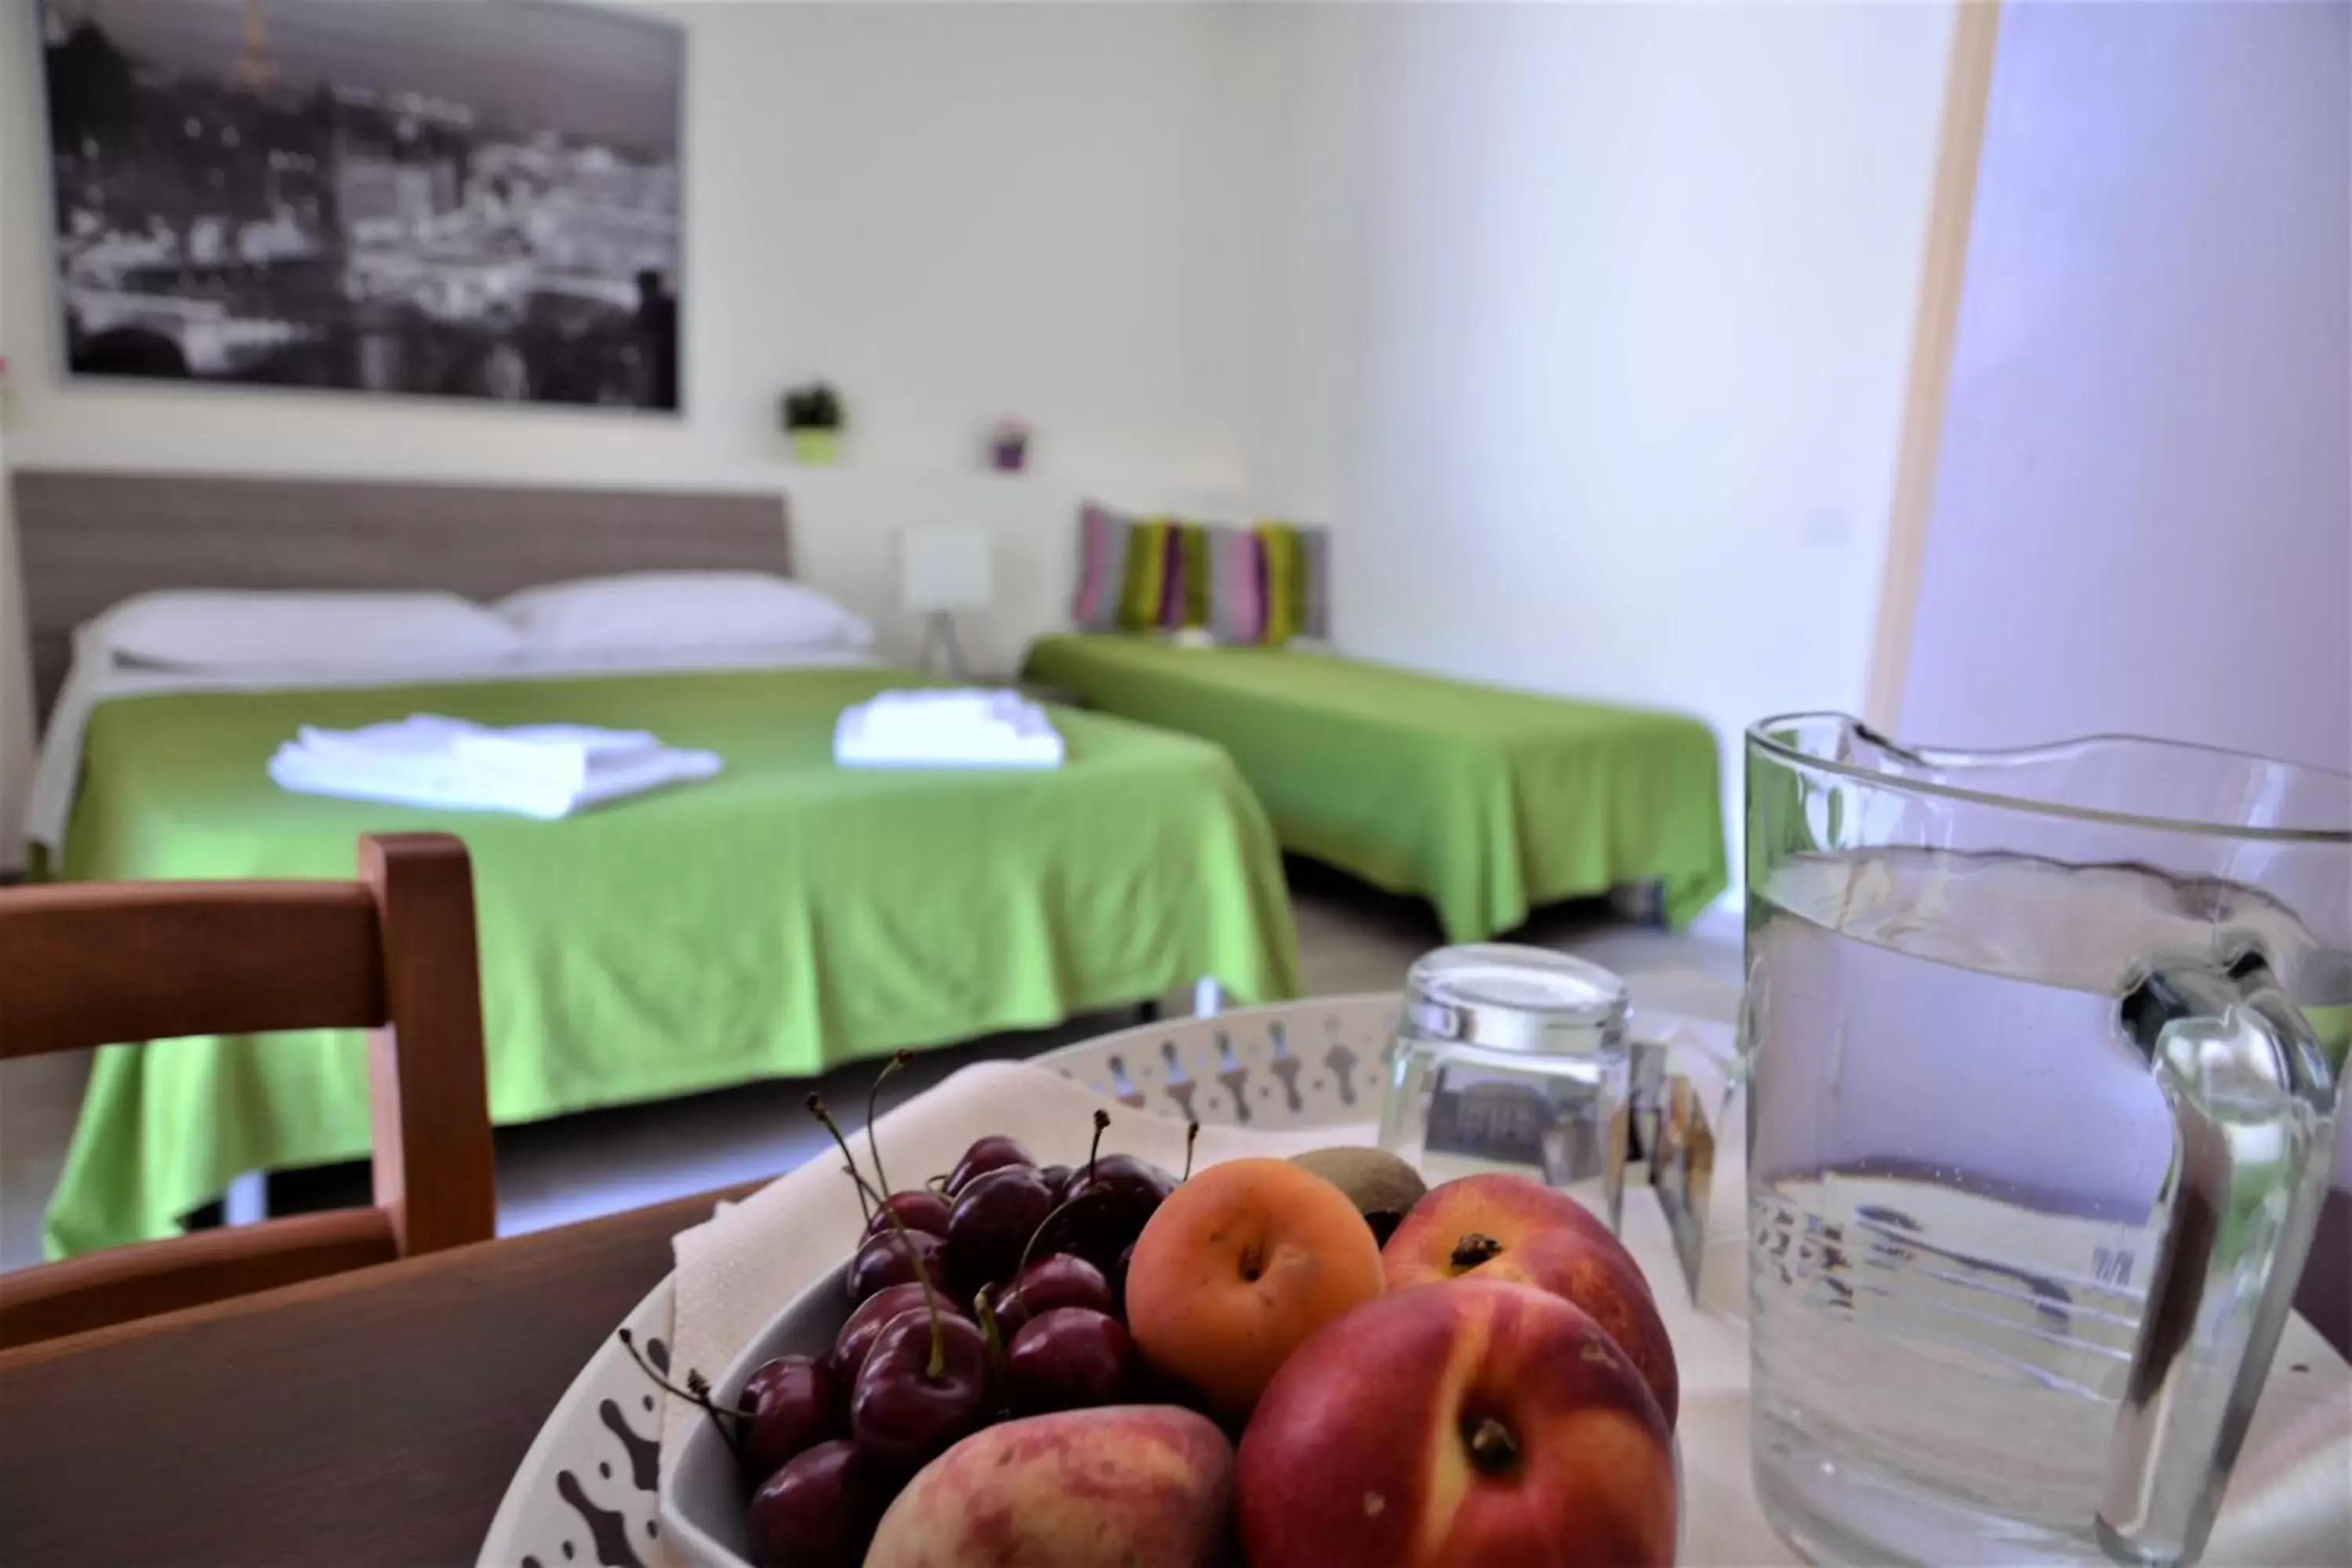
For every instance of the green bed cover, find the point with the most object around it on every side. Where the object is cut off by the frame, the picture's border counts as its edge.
(782, 918)
(1483, 801)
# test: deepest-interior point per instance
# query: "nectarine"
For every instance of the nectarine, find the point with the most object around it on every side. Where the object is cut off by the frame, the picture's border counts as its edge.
(1504, 1227)
(1238, 1267)
(1449, 1425)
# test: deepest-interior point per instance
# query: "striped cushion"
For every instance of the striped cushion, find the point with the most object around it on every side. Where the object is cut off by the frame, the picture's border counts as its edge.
(1236, 569)
(1143, 589)
(1124, 570)
(1102, 568)
(1298, 581)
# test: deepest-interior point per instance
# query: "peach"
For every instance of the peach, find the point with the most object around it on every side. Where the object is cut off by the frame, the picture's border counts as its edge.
(1235, 1270)
(1446, 1426)
(1504, 1227)
(1145, 1485)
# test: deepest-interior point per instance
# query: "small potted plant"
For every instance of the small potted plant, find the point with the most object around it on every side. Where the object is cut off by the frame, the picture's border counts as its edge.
(812, 422)
(1008, 446)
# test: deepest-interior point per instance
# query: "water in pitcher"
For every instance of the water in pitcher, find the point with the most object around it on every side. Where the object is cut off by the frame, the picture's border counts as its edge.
(1955, 1161)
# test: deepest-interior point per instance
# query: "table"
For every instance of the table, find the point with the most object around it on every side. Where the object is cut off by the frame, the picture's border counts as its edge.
(375, 1418)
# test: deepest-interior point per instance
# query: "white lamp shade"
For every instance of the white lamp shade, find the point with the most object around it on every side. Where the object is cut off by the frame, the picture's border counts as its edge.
(945, 568)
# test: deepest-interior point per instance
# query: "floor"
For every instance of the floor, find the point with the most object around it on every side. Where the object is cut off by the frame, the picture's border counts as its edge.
(1350, 938)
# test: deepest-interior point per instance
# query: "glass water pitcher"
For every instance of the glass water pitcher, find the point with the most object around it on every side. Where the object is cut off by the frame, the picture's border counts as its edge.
(2044, 1050)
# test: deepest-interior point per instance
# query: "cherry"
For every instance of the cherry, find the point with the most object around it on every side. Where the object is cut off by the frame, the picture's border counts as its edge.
(792, 1404)
(1105, 1209)
(1057, 1177)
(847, 1357)
(989, 1153)
(820, 1510)
(889, 1260)
(1060, 1280)
(992, 1220)
(1126, 1177)
(1067, 1358)
(925, 1381)
(918, 1208)
(924, 1384)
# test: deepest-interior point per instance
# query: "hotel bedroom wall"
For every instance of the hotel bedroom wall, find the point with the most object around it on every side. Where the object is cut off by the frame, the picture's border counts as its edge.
(1604, 319)
(953, 212)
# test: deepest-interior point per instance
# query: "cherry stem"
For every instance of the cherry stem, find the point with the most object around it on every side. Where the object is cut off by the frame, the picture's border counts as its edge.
(1493, 1450)
(1042, 1226)
(1102, 1125)
(865, 1209)
(939, 1365)
(873, 1098)
(994, 1333)
(1192, 1136)
(695, 1391)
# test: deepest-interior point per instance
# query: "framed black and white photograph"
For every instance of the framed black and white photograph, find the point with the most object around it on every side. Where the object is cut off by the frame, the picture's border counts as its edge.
(453, 200)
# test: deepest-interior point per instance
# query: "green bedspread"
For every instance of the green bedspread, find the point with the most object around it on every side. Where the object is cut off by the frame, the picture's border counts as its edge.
(779, 919)
(1483, 801)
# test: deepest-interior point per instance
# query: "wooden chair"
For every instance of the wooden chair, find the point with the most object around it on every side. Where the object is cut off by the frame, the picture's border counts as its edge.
(92, 964)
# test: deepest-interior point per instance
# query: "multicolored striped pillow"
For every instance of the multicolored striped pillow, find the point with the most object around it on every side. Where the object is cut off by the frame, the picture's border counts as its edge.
(1236, 569)
(1264, 584)
(1298, 581)
(1151, 576)
(1103, 538)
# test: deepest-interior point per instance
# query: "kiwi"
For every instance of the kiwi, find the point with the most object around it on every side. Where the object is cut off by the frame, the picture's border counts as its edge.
(1381, 1186)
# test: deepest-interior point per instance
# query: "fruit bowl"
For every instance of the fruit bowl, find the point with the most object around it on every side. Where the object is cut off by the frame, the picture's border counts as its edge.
(701, 1501)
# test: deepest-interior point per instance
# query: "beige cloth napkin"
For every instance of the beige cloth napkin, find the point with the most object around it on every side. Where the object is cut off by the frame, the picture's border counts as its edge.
(737, 1270)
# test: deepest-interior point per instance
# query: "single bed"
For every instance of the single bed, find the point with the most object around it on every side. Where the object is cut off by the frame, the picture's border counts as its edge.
(1486, 802)
(779, 919)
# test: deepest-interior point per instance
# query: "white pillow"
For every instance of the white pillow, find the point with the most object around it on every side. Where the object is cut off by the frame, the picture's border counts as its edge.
(681, 610)
(232, 630)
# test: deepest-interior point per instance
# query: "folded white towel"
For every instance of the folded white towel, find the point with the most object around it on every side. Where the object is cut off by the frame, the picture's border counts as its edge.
(545, 771)
(946, 729)
(569, 755)
(930, 713)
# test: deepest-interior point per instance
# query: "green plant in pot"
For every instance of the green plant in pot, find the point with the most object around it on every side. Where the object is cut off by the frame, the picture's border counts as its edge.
(813, 421)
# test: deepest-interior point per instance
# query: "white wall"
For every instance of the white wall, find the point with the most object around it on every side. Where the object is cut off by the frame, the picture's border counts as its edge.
(953, 212)
(2143, 519)
(1607, 315)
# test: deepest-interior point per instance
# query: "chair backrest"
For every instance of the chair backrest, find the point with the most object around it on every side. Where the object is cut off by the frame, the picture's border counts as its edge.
(95, 963)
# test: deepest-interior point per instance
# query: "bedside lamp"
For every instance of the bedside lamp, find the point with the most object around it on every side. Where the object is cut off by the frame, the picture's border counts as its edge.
(942, 569)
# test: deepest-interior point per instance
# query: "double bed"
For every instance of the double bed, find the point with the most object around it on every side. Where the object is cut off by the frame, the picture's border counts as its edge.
(779, 919)
(1489, 803)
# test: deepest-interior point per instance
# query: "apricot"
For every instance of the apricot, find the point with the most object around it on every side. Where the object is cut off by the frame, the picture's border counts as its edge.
(1237, 1267)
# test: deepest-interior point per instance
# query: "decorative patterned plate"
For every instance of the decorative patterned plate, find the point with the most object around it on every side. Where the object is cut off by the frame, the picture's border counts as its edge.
(1301, 1063)
(585, 1491)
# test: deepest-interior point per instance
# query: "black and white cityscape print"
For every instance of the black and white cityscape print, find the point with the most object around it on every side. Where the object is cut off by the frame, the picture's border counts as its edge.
(473, 199)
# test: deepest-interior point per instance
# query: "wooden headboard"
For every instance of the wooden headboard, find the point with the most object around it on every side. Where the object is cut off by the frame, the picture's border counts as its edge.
(88, 541)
